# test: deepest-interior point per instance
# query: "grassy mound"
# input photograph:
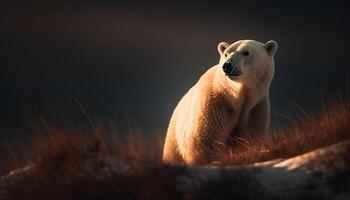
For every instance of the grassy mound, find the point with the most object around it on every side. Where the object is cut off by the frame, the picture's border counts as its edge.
(60, 155)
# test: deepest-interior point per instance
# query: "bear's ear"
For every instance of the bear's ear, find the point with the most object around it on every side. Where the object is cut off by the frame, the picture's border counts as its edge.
(271, 47)
(222, 46)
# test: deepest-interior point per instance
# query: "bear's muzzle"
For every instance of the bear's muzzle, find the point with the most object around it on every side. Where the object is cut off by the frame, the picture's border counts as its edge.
(230, 69)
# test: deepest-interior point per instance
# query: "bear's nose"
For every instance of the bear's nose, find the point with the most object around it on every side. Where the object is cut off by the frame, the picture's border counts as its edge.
(230, 70)
(227, 67)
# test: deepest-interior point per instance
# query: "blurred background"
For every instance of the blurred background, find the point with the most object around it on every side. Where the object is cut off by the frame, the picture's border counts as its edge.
(134, 61)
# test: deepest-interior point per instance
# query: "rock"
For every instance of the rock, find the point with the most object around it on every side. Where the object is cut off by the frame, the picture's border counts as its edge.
(322, 173)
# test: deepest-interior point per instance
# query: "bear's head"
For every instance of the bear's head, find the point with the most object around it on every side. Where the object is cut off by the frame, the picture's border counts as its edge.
(245, 66)
(247, 60)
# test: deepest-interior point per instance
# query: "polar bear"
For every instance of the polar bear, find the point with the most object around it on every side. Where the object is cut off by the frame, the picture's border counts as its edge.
(230, 99)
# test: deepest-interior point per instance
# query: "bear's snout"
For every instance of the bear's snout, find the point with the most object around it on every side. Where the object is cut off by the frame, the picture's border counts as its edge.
(227, 67)
(230, 70)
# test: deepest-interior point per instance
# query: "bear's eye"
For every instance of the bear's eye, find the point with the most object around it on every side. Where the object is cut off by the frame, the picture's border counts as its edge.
(245, 53)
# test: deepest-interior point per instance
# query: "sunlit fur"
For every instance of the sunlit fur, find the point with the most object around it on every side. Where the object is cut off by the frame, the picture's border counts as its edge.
(220, 107)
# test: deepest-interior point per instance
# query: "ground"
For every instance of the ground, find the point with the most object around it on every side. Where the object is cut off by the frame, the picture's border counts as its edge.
(304, 160)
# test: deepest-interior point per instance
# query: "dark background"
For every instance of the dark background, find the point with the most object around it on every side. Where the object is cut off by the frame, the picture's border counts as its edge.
(134, 61)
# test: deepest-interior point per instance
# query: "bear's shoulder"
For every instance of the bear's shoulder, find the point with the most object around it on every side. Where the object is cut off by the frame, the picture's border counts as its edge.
(206, 80)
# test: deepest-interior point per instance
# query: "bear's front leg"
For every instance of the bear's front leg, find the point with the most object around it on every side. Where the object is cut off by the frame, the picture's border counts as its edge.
(207, 141)
(204, 148)
(197, 154)
(259, 118)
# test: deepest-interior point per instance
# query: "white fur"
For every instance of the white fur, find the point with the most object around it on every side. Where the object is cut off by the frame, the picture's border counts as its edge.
(219, 107)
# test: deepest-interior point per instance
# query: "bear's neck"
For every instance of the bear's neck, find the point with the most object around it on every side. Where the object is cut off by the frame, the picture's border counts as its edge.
(233, 92)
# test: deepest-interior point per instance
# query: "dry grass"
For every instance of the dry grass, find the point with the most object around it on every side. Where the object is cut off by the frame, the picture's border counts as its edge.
(62, 144)
(329, 125)
(59, 152)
